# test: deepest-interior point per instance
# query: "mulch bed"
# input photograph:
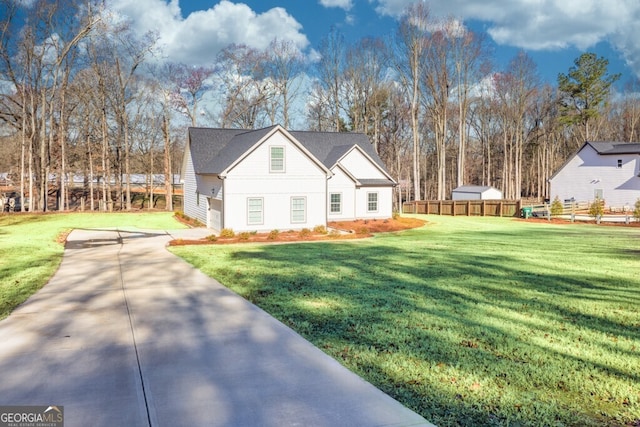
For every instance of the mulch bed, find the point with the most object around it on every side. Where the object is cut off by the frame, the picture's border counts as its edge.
(348, 230)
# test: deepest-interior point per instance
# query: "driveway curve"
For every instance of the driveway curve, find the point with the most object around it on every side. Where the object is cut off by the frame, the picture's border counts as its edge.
(128, 334)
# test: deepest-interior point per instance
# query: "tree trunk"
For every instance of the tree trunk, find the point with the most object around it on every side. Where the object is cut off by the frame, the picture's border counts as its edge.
(168, 181)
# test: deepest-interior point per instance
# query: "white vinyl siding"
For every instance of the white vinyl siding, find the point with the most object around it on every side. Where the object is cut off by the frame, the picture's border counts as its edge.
(255, 212)
(191, 206)
(335, 203)
(251, 178)
(588, 174)
(298, 210)
(276, 159)
(372, 202)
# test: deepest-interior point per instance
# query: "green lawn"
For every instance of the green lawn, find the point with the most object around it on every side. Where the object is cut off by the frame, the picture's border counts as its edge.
(30, 252)
(468, 321)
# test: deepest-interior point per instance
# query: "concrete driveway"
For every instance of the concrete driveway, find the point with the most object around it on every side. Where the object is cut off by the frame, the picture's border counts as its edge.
(127, 334)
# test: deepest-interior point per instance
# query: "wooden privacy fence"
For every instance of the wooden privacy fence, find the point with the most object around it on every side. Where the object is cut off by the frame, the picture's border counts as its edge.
(464, 207)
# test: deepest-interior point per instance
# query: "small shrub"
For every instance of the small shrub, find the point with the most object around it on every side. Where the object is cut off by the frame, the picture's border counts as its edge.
(254, 232)
(596, 209)
(362, 230)
(211, 238)
(636, 210)
(305, 232)
(320, 229)
(334, 234)
(244, 235)
(556, 207)
(227, 233)
(273, 234)
(395, 215)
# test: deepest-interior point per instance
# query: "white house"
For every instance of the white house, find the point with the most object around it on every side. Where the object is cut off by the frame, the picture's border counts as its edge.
(274, 179)
(476, 192)
(607, 170)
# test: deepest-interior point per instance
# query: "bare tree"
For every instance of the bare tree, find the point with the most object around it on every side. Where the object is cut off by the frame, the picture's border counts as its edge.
(188, 87)
(515, 89)
(284, 63)
(366, 90)
(319, 116)
(410, 50)
(240, 70)
(468, 52)
(439, 72)
(330, 71)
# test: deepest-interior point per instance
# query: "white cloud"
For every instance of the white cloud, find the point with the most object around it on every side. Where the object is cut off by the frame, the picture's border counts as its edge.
(343, 4)
(198, 37)
(545, 24)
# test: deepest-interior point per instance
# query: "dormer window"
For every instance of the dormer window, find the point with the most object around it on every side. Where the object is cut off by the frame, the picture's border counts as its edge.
(276, 159)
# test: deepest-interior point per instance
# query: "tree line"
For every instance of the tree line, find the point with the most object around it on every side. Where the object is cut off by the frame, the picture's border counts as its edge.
(83, 95)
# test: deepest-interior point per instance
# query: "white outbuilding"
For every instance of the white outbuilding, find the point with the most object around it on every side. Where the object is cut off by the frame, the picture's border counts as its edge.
(476, 192)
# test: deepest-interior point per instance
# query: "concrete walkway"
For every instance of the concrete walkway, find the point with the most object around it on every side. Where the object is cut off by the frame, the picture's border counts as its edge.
(127, 334)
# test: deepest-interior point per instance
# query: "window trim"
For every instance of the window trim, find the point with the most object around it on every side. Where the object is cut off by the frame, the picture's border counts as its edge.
(304, 210)
(249, 211)
(271, 159)
(331, 203)
(377, 201)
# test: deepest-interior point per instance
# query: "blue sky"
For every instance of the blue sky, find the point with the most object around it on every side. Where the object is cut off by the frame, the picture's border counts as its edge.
(552, 32)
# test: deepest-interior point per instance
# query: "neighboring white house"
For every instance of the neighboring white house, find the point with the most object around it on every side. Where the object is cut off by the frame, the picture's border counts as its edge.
(274, 179)
(607, 170)
(476, 192)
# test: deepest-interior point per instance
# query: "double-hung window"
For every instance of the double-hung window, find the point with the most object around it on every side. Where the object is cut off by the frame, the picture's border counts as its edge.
(255, 211)
(276, 159)
(372, 202)
(335, 203)
(298, 210)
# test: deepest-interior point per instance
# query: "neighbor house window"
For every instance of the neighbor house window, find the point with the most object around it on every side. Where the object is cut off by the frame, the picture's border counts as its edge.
(372, 202)
(335, 203)
(298, 209)
(619, 163)
(254, 211)
(276, 159)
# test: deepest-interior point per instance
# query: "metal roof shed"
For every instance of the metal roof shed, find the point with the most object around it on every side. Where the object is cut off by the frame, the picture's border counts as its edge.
(476, 192)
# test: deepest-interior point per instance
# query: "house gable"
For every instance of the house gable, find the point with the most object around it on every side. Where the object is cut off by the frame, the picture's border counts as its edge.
(290, 198)
(608, 169)
(250, 141)
(363, 168)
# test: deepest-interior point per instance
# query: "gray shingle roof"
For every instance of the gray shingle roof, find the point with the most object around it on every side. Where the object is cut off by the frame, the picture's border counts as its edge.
(206, 145)
(615, 147)
(472, 188)
(213, 150)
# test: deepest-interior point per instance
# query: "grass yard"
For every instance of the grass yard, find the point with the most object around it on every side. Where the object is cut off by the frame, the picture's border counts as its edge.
(31, 246)
(468, 321)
